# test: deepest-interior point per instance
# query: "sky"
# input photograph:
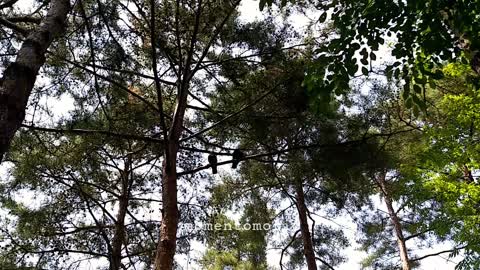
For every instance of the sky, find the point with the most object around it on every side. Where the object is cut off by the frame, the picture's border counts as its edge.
(250, 12)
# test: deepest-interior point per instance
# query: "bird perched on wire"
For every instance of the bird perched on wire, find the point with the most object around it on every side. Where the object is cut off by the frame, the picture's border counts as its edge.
(212, 160)
(237, 156)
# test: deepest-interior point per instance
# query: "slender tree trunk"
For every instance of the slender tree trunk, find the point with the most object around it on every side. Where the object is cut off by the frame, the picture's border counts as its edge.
(119, 233)
(19, 77)
(305, 232)
(168, 229)
(395, 221)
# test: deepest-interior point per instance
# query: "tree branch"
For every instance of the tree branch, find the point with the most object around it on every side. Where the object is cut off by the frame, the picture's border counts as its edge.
(301, 147)
(231, 115)
(8, 4)
(94, 132)
(25, 19)
(158, 89)
(287, 246)
(326, 264)
(437, 253)
(13, 26)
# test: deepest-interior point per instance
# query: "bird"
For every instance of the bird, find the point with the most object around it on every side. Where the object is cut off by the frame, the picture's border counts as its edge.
(212, 160)
(237, 156)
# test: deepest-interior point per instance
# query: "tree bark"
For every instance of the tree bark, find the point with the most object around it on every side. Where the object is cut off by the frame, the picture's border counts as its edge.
(119, 233)
(19, 77)
(167, 243)
(168, 228)
(304, 230)
(395, 221)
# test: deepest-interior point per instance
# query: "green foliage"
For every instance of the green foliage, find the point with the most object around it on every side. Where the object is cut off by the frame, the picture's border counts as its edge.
(243, 245)
(450, 162)
(306, 128)
(443, 187)
(426, 34)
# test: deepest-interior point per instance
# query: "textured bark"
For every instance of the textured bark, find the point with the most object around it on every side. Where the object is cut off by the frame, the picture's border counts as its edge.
(168, 229)
(119, 233)
(396, 223)
(304, 230)
(170, 216)
(19, 77)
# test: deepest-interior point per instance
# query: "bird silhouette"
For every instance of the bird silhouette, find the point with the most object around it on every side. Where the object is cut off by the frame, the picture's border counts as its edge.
(212, 160)
(237, 156)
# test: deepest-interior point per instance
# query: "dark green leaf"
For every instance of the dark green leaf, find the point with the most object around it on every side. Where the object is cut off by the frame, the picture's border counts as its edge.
(364, 71)
(417, 89)
(322, 17)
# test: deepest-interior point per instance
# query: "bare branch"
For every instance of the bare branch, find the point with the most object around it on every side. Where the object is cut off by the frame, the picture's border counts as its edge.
(8, 4)
(25, 19)
(13, 26)
(326, 264)
(287, 246)
(94, 132)
(300, 147)
(231, 115)
(163, 124)
(437, 253)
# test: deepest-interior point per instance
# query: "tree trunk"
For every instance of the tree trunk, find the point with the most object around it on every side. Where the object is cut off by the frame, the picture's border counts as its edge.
(395, 221)
(19, 77)
(170, 215)
(119, 233)
(168, 230)
(305, 232)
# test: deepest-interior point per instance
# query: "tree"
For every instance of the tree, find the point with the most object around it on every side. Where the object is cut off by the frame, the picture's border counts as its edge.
(447, 165)
(103, 63)
(239, 246)
(316, 158)
(19, 76)
(418, 161)
(90, 192)
(422, 35)
(159, 86)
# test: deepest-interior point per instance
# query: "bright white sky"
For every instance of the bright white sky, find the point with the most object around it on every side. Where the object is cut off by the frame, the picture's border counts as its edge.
(249, 12)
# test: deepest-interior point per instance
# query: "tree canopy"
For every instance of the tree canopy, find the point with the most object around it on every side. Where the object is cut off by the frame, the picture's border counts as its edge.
(178, 134)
